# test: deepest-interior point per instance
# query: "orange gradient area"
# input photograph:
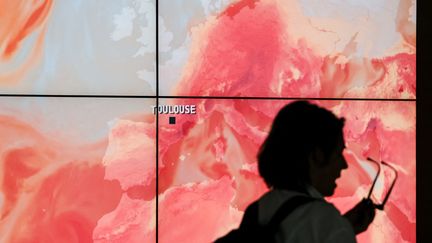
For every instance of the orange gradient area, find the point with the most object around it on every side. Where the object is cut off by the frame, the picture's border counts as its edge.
(69, 47)
(19, 19)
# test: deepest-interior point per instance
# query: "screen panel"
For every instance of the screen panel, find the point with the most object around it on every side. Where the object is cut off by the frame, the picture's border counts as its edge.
(288, 48)
(78, 47)
(77, 170)
(208, 171)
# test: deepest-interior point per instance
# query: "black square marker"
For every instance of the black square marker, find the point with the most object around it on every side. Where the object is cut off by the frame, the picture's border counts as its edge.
(172, 120)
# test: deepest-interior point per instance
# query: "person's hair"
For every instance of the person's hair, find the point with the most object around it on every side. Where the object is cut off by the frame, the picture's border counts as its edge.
(298, 129)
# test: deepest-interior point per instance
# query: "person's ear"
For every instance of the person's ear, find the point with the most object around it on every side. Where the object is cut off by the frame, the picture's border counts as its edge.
(317, 158)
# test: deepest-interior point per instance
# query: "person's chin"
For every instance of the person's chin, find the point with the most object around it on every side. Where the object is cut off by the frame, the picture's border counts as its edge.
(330, 190)
(329, 194)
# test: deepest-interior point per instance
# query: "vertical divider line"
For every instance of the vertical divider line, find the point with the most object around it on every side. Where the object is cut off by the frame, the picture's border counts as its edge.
(157, 119)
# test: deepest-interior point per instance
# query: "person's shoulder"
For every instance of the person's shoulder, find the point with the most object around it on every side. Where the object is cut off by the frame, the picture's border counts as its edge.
(320, 220)
(271, 201)
(324, 207)
(314, 221)
(316, 210)
(325, 216)
(321, 210)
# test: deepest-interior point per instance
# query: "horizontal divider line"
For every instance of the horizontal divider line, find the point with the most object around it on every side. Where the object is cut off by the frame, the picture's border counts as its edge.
(279, 98)
(203, 97)
(80, 96)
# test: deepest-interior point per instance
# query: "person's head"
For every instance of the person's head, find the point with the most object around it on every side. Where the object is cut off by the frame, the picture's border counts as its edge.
(304, 146)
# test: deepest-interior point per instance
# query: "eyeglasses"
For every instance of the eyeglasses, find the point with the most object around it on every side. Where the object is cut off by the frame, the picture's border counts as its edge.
(380, 206)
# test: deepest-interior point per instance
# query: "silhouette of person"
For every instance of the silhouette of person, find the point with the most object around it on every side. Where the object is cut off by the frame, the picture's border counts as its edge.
(302, 155)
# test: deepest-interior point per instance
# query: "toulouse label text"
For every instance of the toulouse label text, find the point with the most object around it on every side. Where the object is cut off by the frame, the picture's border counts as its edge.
(174, 109)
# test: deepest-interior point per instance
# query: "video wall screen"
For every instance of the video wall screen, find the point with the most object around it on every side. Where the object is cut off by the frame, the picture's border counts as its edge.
(75, 167)
(288, 48)
(77, 170)
(208, 171)
(78, 47)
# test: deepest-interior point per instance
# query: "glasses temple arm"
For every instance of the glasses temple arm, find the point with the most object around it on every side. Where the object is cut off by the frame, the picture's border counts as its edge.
(376, 177)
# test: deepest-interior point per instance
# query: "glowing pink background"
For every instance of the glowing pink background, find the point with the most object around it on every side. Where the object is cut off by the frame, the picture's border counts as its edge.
(282, 48)
(72, 170)
(83, 170)
(208, 173)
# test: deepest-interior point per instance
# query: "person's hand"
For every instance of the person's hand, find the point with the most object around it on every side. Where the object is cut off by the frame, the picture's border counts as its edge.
(361, 215)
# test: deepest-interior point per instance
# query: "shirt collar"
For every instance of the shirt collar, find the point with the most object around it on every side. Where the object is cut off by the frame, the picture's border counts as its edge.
(313, 192)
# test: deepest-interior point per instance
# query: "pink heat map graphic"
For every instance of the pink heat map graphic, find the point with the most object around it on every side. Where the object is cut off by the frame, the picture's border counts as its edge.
(208, 172)
(74, 171)
(284, 48)
(85, 169)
